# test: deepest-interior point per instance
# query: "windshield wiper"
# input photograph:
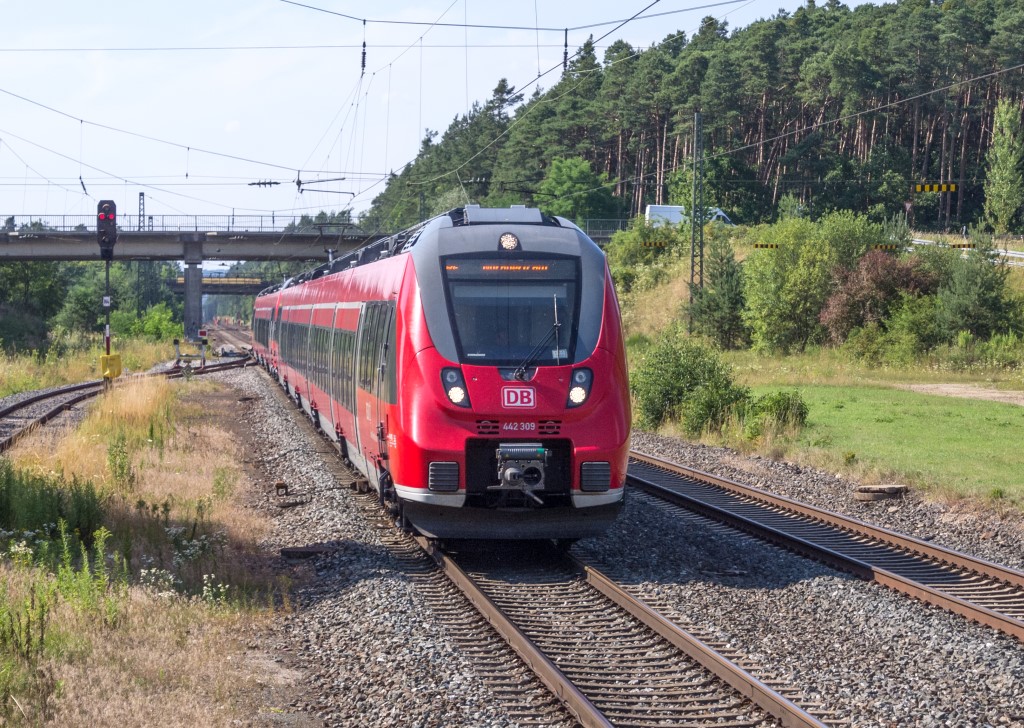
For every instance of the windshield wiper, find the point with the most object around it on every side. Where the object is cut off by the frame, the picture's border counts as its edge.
(520, 373)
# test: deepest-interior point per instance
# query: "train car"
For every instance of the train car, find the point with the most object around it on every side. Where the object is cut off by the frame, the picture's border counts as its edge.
(472, 368)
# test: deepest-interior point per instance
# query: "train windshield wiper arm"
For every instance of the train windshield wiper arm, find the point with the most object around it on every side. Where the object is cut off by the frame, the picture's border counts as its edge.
(520, 372)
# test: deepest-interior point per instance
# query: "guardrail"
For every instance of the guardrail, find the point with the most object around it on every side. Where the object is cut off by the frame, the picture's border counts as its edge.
(1013, 258)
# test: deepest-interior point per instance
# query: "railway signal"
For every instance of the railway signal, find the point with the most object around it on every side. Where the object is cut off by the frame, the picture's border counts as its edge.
(106, 236)
(106, 228)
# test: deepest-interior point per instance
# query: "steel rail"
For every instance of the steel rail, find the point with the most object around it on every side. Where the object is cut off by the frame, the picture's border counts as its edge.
(556, 681)
(928, 555)
(740, 680)
(40, 396)
(7, 442)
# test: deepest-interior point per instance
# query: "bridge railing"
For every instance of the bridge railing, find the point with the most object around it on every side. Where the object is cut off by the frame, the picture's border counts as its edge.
(174, 224)
(603, 229)
(595, 228)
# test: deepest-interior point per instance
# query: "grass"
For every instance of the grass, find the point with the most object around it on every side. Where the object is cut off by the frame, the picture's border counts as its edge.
(137, 621)
(21, 372)
(834, 367)
(959, 447)
(863, 425)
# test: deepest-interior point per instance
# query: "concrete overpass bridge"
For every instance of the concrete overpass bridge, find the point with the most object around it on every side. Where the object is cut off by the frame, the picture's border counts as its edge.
(193, 239)
(190, 239)
(224, 285)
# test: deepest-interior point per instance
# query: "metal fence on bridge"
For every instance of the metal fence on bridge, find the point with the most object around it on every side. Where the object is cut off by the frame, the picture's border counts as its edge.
(599, 229)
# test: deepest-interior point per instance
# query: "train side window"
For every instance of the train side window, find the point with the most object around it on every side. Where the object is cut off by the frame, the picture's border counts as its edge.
(350, 366)
(304, 348)
(376, 340)
(366, 348)
(314, 353)
(390, 356)
(363, 328)
(325, 354)
(319, 362)
(336, 364)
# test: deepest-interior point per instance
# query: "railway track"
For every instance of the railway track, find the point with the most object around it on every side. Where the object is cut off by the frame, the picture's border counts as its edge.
(610, 658)
(31, 410)
(982, 591)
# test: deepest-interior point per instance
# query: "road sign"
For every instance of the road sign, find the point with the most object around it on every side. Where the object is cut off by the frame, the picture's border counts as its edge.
(945, 187)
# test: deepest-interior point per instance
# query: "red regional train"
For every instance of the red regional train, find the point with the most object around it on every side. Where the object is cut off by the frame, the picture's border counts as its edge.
(472, 368)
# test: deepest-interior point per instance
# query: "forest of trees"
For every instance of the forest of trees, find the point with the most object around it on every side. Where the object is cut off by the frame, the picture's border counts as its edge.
(843, 109)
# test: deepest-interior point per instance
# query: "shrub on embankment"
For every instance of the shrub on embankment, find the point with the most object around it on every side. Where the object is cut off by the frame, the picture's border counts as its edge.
(682, 380)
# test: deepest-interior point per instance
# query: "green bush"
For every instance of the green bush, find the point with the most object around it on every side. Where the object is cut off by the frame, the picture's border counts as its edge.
(681, 379)
(634, 255)
(156, 324)
(711, 405)
(784, 408)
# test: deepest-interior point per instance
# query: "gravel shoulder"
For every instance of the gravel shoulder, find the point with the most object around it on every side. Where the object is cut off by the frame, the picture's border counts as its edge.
(995, 535)
(969, 391)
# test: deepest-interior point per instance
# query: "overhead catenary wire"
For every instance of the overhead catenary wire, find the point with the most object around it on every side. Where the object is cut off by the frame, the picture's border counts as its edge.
(147, 137)
(494, 26)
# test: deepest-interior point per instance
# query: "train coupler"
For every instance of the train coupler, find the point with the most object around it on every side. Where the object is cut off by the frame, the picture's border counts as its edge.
(521, 467)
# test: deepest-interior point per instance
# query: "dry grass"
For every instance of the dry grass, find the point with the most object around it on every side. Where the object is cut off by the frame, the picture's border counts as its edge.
(172, 662)
(24, 371)
(168, 662)
(651, 311)
(147, 446)
(162, 465)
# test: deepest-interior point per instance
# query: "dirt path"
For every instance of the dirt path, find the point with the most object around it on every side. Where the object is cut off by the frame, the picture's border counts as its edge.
(969, 391)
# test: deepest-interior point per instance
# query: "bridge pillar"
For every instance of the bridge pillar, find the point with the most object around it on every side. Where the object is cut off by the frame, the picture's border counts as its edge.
(193, 300)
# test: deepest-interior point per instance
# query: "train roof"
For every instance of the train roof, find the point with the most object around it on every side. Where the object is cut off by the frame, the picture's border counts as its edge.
(405, 241)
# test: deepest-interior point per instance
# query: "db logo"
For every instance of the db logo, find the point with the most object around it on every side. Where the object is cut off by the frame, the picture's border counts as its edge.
(519, 397)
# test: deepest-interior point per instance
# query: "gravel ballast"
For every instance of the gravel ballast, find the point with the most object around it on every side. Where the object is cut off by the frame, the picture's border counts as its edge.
(371, 650)
(872, 655)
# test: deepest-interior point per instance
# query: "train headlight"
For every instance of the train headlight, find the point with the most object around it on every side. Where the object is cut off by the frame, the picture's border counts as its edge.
(579, 391)
(454, 386)
(508, 242)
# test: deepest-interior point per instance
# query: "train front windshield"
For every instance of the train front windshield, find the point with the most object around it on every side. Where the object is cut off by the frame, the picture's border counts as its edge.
(504, 310)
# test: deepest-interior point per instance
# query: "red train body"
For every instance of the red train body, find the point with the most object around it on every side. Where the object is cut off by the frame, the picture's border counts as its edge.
(472, 368)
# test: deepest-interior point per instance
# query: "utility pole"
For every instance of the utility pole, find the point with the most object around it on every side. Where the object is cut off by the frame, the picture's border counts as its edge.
(697, 215)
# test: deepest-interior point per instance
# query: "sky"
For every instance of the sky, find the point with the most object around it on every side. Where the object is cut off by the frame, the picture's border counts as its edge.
(191, 103)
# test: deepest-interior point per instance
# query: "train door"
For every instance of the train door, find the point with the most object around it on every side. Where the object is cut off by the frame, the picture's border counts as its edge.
(373, 390)
(275, 336)
(362, 407)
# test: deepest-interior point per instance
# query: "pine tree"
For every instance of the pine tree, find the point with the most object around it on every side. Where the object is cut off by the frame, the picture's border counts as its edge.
(1004, 186)
(716, 308)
